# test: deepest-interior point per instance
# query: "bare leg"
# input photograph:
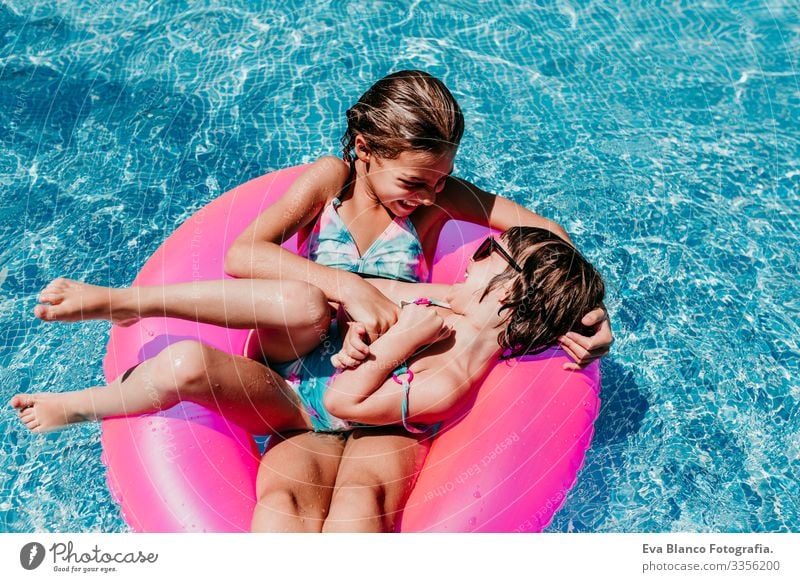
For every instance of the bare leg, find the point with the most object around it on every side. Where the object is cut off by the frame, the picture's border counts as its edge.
(295, 482)
(295, 313)
(378, 469)
(246, 392)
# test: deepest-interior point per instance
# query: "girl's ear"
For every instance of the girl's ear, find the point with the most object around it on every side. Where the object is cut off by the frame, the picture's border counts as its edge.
(504, 292)
(506, 288)
(499, 294)
(363, 152)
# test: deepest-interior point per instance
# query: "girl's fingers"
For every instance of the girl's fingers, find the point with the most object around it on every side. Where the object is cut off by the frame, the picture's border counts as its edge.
(594, 345)
(573, 364)
(354, 355)
(349, 362)
(603, 338)
(379, 325)
(580, 356)
(374, 335)
(354, 345)
(342, 361)
(356, 349)
(579, 341)
(359, 344)
(594, 317)
(570, 343)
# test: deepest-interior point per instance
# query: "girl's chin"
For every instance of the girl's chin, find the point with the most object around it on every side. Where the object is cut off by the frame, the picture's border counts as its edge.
(404, 208)
(455, 298)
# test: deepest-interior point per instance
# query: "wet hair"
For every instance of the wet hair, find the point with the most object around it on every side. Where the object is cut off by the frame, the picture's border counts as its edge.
(555, 289)
(407, 110)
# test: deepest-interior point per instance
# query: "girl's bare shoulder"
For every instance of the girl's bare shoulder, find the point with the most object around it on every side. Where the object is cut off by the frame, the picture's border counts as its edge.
(329, 174)
(332, 164)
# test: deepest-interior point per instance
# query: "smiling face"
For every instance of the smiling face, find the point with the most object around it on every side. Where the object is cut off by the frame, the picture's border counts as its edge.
(405, 183)
(465, 297)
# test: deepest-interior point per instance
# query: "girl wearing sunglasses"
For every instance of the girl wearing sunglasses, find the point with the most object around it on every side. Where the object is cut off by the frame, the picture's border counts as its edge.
(519, 295)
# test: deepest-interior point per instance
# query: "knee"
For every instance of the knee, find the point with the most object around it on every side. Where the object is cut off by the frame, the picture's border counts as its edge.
(282, 501)
(281, 508)
(355, 502)
(307, 301)
(185, 365)
(277, 511)
(358, 496)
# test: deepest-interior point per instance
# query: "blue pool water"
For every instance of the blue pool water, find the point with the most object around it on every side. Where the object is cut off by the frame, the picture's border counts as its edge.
(664, 136)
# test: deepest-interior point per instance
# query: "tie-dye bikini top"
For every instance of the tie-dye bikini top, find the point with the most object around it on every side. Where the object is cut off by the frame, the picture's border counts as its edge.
(395, 254)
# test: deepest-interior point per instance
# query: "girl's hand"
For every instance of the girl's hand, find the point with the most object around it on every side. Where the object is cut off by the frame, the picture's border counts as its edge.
(422, 324)
(365, 304)
(585, 350)
(354, 350)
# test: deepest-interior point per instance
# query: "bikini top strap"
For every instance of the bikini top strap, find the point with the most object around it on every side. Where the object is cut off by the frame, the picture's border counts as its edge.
(425, 301)
(406, 382)
(350, 177)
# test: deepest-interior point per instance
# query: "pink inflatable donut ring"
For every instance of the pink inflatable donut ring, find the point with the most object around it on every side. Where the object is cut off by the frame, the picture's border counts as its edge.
(503, 464)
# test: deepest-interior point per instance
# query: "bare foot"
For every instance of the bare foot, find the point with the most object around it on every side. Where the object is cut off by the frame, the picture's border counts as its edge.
(48, 412)
(67, 300)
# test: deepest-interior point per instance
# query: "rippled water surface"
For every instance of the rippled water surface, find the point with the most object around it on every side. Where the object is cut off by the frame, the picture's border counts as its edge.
(662, 135)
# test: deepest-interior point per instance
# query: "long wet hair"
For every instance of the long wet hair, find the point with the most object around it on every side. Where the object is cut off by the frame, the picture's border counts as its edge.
(407, 110)
(556, 288)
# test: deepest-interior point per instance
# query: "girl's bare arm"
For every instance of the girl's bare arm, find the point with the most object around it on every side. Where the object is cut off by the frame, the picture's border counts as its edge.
(465, 201)
(370, 394)
(257, 254)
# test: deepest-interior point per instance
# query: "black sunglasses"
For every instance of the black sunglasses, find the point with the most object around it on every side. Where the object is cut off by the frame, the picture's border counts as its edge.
(489, 245)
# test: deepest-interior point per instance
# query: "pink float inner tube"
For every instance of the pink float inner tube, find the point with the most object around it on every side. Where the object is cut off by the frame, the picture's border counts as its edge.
(503, 464)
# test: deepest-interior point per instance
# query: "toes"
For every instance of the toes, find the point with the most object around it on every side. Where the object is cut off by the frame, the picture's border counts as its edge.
(50, 297)
(48, 312)
(44, 313)
(54, 291)
(32, 424)
(22, 401)
(27, 413)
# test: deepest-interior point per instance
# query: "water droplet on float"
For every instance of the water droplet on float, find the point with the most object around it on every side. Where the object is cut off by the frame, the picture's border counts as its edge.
(476, 494)
(151, 333)
(472, 521)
